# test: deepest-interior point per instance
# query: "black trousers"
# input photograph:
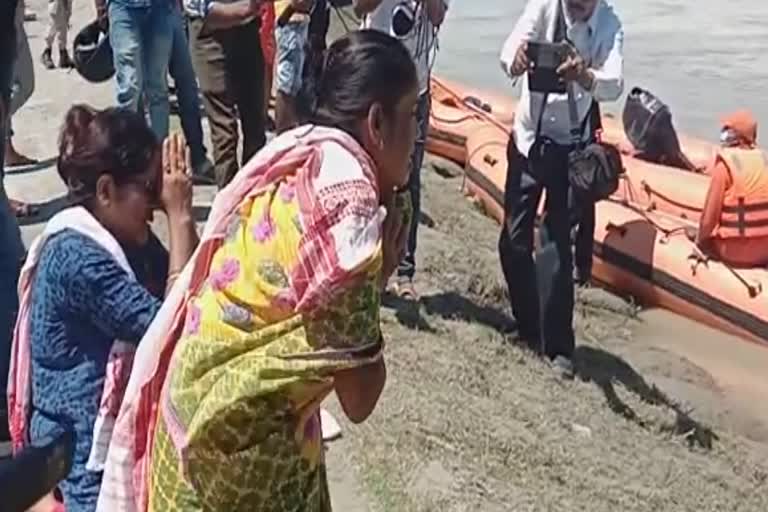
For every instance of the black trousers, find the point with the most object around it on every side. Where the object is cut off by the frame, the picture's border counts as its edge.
(541, 292)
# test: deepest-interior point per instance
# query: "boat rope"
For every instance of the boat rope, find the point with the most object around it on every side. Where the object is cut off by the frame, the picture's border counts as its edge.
(699, 258)
(653, 192)
(667, 232)
(468, 103)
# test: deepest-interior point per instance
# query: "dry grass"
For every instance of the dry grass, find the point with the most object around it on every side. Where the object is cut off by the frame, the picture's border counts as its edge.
(471, 421)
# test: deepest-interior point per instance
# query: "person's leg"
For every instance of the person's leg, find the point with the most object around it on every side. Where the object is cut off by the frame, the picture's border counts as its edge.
(314, 58)
(64, 19)
(268, 48)
(210, 64)
(407, 267)
(521, 199)
(23, 72)
(246, 70)
(124, 36)
(554, 269)
(11, 246)
(187, 92)
(156, 41)
(291, 40)
(50, 34)
(23, 87)
(11, 255)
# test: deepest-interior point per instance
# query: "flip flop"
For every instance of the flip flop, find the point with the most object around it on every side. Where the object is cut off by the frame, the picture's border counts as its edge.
(403, 287)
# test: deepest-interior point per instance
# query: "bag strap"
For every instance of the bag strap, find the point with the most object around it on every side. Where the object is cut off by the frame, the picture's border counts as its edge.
(593, 117)
(561, 34)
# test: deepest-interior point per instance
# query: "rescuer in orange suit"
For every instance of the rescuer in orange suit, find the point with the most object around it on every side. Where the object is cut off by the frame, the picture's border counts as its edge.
(734, 223)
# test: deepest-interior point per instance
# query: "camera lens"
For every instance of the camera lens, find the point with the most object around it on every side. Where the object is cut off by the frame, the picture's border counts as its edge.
(403, 20)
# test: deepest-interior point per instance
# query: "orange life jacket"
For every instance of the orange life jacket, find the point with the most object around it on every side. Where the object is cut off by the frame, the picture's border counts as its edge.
(745, 205)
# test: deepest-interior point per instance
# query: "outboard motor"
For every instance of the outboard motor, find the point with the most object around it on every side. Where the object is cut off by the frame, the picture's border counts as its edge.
(93, 54)
(648, 126)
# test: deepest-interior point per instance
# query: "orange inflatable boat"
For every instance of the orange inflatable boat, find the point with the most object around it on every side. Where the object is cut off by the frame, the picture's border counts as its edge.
(465, 121)
(458, 111)
(640, 244)
(648, 256)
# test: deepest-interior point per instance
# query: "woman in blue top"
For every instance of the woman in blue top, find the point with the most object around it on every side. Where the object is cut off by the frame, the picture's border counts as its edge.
(82, 299)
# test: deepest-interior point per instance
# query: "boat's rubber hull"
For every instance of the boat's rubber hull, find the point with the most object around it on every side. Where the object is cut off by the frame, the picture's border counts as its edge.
(634, 256)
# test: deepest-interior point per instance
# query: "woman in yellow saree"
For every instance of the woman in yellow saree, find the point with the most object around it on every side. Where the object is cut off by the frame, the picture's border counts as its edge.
(284, 307)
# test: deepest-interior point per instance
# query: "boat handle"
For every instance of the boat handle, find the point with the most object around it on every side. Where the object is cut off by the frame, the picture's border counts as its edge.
(697, 258)
(622, 230)
(752, 289)
(490, 160)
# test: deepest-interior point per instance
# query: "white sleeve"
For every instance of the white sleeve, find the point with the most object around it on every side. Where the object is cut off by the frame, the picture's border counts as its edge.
(609, 78)
(529, 26)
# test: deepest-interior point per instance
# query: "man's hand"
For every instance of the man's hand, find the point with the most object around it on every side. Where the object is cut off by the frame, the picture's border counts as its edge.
(436, 10)
(521, 63)
(101, 15)
(575, 69)
(255, 6)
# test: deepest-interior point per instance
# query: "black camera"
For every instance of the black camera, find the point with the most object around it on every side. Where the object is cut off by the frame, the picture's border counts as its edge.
(544, 60)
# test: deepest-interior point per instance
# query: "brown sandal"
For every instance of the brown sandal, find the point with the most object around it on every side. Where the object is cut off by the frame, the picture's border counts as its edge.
(405, 289)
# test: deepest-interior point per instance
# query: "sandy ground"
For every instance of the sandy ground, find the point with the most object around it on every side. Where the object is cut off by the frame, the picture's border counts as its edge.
(665, 414)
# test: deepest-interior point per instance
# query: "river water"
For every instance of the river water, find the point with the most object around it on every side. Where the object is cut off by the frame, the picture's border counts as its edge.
(702, 57)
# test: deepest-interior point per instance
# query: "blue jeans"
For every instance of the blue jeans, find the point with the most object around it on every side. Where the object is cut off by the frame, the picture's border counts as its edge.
(141, 39)
(187, 92)
(291, 40)
(407, 267)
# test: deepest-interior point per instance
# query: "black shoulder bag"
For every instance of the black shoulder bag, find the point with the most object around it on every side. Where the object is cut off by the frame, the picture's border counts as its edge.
(593, 167)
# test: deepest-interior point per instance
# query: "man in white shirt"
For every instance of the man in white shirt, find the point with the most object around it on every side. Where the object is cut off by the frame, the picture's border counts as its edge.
(542, 295)
(420, 37)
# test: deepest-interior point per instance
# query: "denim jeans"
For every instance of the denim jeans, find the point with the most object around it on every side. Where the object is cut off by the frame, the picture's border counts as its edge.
(407, 267)
(141, 39)
(187, 92)
(291, 41)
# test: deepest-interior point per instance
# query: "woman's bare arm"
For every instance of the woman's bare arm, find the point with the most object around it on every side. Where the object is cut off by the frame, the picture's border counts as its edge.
(183, 242)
